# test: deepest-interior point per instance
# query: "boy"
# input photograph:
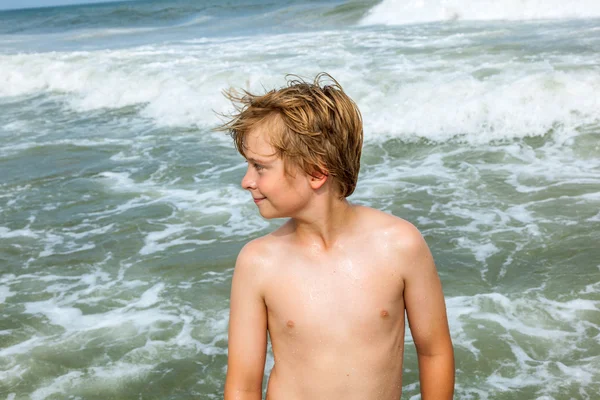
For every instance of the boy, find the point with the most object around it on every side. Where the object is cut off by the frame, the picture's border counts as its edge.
(330, 286)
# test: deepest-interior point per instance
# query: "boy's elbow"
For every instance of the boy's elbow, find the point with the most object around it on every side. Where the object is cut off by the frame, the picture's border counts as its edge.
(237, 388)
(234, 393)
(442, 347)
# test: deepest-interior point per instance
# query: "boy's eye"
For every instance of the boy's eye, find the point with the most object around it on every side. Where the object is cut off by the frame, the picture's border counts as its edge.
(258, 167)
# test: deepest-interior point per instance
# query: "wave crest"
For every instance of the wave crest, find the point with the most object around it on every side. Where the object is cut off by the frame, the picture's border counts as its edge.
(400, 12)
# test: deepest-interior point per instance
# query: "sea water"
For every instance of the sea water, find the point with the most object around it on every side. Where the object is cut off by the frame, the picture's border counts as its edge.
(121, 211)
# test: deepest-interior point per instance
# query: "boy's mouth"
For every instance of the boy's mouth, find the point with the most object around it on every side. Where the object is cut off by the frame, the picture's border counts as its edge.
(258, 199)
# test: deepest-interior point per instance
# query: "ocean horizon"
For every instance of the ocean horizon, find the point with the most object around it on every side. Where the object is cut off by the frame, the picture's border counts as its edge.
(121, 210)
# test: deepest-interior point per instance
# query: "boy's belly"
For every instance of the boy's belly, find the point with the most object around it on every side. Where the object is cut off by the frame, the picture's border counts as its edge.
(357, 371)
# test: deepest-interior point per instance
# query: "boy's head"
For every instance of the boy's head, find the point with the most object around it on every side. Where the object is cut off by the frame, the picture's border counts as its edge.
(315, 127)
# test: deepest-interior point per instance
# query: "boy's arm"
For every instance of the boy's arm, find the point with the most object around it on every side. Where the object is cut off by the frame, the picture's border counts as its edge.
(426, 311)
(247, 344)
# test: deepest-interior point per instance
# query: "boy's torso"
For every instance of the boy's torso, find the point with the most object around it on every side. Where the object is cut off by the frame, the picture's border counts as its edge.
(336, 319)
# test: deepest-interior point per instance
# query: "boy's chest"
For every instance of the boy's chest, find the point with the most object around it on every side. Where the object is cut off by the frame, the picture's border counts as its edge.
(341, 297)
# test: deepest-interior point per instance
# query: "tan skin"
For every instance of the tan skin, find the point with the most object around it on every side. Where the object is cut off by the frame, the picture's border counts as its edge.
(331, 287)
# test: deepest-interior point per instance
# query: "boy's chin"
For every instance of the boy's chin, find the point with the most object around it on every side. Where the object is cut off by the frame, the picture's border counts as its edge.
(270, 215)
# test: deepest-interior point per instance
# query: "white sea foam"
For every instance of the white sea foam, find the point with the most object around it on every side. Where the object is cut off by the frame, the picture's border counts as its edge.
(445, 106)
(22, 347)
(397, 12)
(5, 293)
(482, 251)
(228, 206)
(154, 241)
(517, 317)
(10, 149)
(95, 380)
(11, 376)
(216, 277)
(72, 319)
(6, 233)
(149, 311)
(91, 232)
(149, 297)
(98, 33)
(409, 96)
(57, 241)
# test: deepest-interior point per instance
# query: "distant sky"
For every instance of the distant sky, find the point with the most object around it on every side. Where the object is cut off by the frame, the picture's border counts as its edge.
(12, 4)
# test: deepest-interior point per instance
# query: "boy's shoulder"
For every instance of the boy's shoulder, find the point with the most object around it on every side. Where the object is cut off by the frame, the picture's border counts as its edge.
(395, 239)
(386, 226)
(370, 226)
(264, 249)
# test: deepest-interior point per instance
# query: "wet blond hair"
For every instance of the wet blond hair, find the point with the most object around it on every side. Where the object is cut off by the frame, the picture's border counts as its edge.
(321, 128)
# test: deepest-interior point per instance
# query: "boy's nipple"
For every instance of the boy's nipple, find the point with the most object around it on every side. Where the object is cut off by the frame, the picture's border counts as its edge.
(290, 324)
(384, 314)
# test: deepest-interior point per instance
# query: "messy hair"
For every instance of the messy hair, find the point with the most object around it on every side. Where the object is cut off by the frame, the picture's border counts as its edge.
(321, 127)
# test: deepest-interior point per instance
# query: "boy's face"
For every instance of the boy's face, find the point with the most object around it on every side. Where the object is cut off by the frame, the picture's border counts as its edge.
(276, 193)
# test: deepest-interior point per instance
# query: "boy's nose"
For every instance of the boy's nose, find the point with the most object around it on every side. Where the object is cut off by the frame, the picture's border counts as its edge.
(249, 180)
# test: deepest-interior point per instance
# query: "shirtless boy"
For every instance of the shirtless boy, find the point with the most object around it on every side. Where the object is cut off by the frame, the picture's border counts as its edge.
(332, 285)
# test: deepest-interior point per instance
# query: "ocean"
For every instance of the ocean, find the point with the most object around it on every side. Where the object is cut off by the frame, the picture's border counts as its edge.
(121, 211)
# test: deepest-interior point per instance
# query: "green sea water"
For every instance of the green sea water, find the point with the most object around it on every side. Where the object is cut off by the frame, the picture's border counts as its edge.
(121, 210)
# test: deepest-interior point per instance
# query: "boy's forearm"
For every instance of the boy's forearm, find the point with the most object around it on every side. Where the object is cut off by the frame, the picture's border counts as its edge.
(436, 374)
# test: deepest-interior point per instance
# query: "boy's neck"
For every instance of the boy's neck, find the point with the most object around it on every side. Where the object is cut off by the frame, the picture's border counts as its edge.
(324, 222)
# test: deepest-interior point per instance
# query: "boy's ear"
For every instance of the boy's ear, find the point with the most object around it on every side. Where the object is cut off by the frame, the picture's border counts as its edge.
(318, 179)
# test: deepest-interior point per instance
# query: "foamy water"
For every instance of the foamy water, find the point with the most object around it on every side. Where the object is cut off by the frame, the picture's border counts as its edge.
(121, 212)
(395, 12)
